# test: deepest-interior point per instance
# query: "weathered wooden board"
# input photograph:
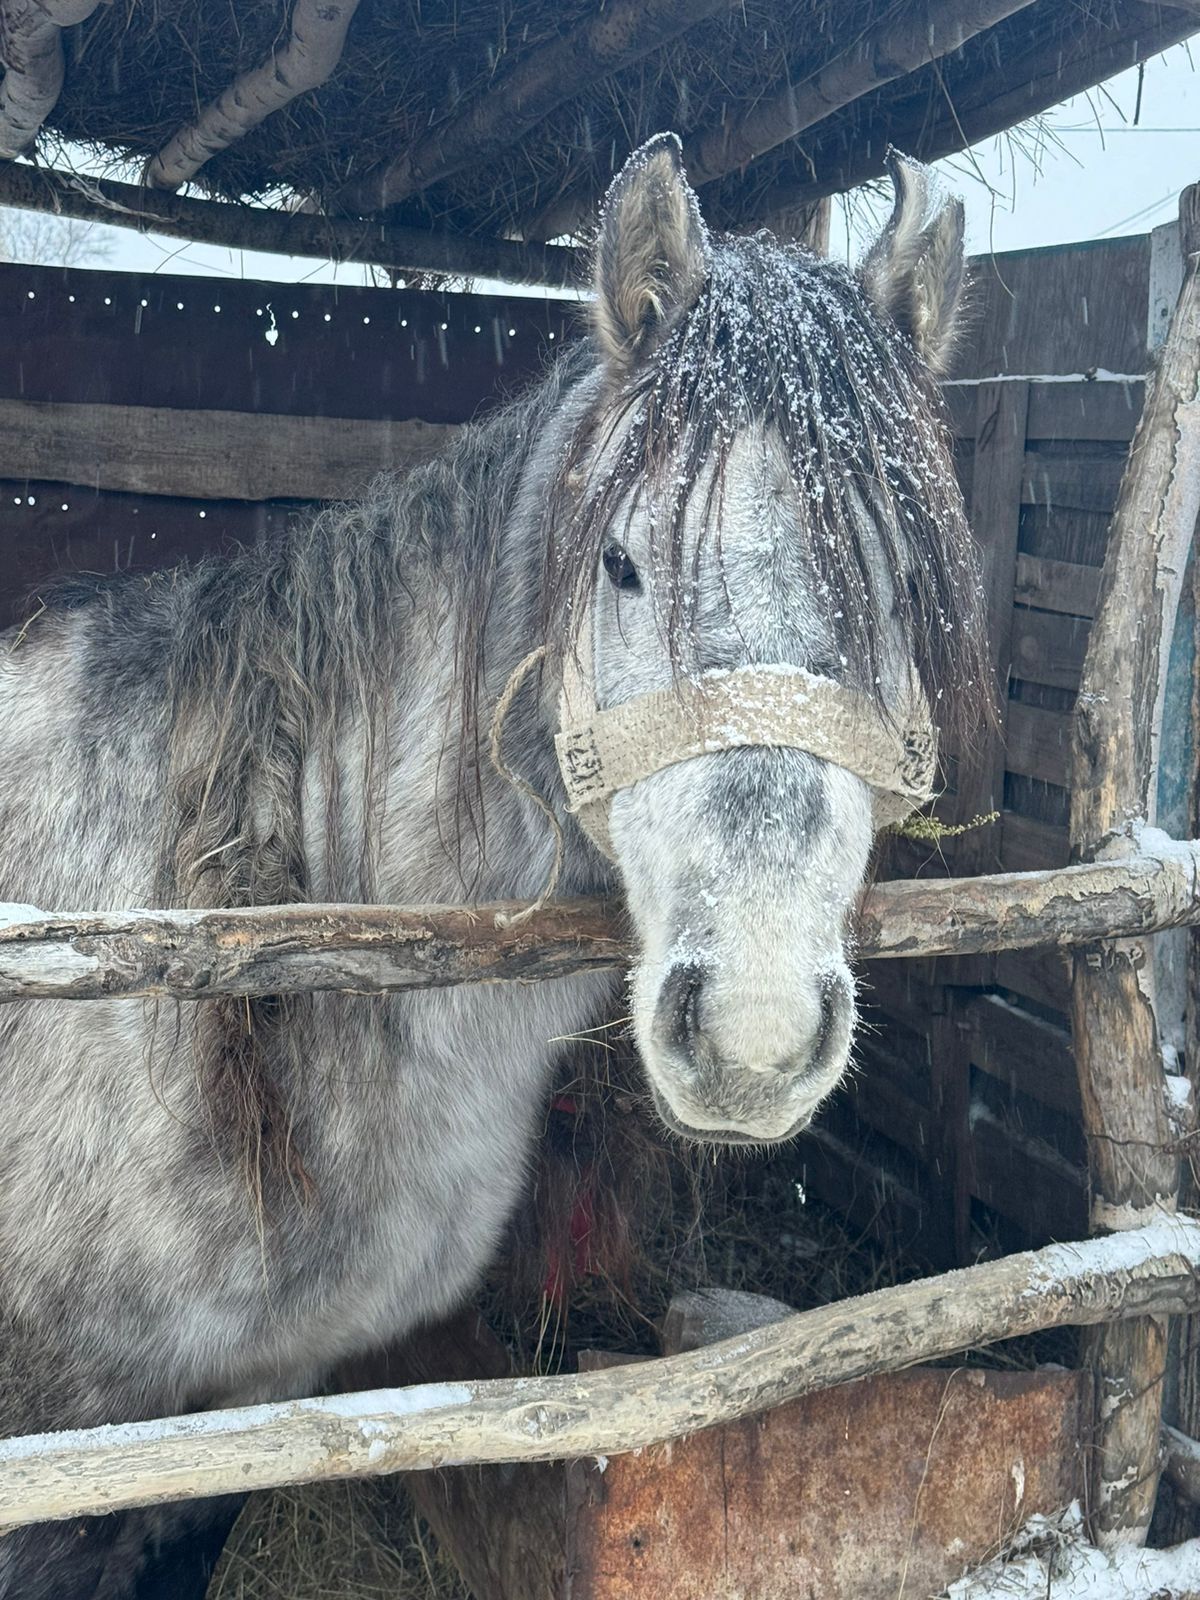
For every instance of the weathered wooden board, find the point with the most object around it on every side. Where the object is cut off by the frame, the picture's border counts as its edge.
(875, 1185)
(1039, 742)
(1024, 1180)
(1048, 647)
(1027, 844)
(1053, 585)
(213, 455)
(52, 530)
(1057, 483)
(1058, 310)
(999, 457)
(1088, 412)
(876, 1488)
(148, 339)
(1032, 1055)
(1097, 410)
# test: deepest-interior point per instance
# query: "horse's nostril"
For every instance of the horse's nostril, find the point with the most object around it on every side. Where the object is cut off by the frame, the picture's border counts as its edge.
(837, 1016)
(678, 1009)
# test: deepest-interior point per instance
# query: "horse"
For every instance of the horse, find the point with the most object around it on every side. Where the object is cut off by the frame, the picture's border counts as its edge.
(742, 466)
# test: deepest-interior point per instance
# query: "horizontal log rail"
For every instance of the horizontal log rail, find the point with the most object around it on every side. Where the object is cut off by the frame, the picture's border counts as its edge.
(197, 955)
(1153, 1269)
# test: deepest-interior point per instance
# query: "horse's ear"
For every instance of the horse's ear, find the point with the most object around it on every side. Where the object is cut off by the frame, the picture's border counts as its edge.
(651, 254)
(915, 269)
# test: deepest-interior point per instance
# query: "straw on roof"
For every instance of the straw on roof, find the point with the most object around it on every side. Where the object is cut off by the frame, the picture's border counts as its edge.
(472, 122)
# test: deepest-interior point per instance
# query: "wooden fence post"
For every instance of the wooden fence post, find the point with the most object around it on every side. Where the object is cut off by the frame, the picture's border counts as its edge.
(1133, 1165)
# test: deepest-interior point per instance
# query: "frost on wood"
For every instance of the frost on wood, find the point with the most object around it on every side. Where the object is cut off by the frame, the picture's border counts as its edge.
(31, 31)
(310, 55)
(1050, 1559)
(1153, 1270)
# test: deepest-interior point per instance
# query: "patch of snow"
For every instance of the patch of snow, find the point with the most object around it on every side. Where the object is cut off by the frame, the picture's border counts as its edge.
(12, 914)
(1051, 1560)
(376, 1406)
(1096, 375)
(1167, 1234)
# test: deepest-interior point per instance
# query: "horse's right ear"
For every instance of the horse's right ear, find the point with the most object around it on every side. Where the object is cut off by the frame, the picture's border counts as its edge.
(915, 269)
(651, 255)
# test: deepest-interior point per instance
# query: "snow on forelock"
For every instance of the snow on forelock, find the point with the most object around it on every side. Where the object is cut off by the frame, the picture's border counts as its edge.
(1051, 1560)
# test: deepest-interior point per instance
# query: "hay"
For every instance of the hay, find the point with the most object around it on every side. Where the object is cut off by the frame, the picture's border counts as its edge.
(139, 69)
(334, 1541)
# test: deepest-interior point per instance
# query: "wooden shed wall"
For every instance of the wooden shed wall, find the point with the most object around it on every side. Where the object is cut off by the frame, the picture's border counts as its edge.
(146, 418)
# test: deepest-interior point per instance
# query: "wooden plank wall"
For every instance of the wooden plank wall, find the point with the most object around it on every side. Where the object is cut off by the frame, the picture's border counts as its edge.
(143, 419)
(964, 1121)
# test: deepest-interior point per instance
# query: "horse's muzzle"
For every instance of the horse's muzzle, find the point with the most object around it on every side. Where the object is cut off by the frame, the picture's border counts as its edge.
(767, 1090)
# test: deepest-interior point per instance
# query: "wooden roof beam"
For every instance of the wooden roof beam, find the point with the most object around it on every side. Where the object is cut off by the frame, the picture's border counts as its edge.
(1022, 89)
(31, 37)
(313, 50)
(257, 228)
(917, 36)
(620, 34)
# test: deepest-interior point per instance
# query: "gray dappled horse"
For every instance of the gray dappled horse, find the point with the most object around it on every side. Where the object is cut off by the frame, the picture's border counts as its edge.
(742, 465)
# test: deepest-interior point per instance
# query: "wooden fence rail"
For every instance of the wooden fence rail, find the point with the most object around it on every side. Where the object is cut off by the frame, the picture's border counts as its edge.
(1153, 1269)
(197, 955)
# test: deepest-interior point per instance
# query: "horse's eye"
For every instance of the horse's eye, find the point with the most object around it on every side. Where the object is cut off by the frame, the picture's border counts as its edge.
(621, 571)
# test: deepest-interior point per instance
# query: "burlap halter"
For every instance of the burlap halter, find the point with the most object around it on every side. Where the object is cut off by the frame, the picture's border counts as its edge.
(600, 752)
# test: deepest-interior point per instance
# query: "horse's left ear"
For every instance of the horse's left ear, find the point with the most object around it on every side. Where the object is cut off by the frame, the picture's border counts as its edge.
(915, 269)
(651, 254)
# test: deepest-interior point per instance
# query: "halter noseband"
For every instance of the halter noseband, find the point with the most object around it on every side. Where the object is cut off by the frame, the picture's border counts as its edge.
(602, 751)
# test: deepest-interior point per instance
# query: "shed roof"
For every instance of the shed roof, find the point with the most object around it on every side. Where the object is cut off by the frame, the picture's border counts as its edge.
(466, 131)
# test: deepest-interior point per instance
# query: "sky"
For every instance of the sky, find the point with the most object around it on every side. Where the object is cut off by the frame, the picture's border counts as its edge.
(1100, 165)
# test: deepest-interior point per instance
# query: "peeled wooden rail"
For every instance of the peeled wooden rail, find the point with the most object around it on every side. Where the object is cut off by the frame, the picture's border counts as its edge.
(198, 955)
(1154, 1269)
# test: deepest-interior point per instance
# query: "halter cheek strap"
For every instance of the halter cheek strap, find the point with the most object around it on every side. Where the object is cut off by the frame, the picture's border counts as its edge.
(602, 751)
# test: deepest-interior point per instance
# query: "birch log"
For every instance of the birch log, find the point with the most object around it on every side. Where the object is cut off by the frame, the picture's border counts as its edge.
(246, 227)
(31, 31)
(1155, 1269)
(313, 49)
(294, 949)
(1118, 718)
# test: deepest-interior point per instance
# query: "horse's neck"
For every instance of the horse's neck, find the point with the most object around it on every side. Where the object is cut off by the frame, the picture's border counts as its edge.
(453, 828)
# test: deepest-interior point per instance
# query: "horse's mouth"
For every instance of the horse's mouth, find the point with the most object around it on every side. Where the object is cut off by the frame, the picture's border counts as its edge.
(721, 1136)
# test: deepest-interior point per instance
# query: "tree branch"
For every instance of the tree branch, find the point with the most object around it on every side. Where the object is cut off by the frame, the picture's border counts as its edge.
(313, 49)
(54, 1476)
(198, 955)
(31, 34)
(255, 228)
(620, 34)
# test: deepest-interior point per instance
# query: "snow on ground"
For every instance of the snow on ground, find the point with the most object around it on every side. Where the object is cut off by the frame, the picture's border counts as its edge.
(1051, 1560)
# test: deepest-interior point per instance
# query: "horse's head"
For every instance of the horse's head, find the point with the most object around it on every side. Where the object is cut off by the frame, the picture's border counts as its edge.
(760, 481)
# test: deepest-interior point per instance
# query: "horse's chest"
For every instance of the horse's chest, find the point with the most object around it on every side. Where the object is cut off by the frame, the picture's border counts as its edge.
(418, 1178)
